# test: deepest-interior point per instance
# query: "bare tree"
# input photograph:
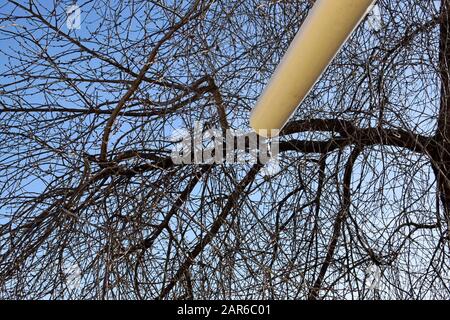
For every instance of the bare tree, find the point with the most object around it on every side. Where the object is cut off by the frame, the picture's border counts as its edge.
(86, 177)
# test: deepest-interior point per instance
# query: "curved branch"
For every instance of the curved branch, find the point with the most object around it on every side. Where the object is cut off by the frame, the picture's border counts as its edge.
(350, 134)
(215, 227)
(140, 78)
(337, 227)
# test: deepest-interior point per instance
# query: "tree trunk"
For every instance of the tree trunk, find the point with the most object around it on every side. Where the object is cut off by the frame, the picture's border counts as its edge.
(442, 155)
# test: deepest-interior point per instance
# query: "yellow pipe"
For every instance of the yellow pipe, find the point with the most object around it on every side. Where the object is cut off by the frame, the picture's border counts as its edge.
(325, 30)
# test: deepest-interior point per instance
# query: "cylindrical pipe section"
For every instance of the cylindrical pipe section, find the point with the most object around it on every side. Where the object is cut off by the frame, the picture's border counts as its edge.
(325, 30)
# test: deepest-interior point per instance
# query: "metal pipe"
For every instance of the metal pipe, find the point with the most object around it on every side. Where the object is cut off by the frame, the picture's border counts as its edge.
(325, 30)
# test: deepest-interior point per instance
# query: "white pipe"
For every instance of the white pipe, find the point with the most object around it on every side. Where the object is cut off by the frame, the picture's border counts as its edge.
(325, 30)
